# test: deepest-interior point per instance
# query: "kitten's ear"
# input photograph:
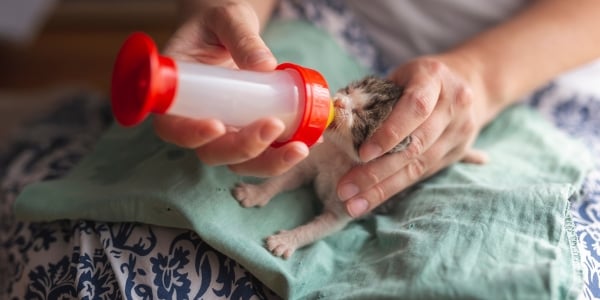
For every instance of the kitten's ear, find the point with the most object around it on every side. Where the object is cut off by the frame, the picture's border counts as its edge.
(402, 145)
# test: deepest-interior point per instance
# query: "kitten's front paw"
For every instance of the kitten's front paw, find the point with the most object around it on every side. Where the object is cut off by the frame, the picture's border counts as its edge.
(250, 195)
(283, 244)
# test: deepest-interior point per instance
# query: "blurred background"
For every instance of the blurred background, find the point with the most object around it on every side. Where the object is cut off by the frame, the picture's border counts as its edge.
(50, 48)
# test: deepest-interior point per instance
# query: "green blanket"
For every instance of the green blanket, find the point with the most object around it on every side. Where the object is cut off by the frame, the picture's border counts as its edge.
(497, 231)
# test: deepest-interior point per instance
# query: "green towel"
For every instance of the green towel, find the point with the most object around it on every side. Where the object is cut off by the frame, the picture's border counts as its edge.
(497, 231)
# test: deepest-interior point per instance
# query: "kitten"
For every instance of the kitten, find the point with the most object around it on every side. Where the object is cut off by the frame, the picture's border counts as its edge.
(359, 110)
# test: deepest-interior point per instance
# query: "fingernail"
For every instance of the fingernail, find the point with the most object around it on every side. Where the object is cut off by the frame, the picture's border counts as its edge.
(293, 156)
(357, 207)
(258, 57)
(348, 191)
(371, 151)
(268, 132)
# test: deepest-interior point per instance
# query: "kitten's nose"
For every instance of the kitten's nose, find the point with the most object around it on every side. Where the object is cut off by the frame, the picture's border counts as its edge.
(338, 103)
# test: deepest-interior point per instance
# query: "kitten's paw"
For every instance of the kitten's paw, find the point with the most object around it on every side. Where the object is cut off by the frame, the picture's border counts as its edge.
(283, 244)
(250, 195)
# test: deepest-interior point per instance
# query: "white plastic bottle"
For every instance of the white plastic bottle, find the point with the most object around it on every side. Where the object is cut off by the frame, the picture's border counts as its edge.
(145, 82)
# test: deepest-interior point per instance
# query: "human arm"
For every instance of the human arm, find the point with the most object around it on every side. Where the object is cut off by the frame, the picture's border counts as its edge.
(226, 33)
(450, 96)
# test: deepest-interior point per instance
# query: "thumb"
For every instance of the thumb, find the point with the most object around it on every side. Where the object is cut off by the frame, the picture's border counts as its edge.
(242, 39)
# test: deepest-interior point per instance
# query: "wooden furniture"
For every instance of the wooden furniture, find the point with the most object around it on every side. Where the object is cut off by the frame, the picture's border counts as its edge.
(79, 41)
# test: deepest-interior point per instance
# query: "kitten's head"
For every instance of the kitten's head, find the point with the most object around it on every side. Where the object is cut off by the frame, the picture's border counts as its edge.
(360, 108)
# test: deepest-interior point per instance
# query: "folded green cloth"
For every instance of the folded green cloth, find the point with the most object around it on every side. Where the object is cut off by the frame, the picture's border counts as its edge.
(496, 231)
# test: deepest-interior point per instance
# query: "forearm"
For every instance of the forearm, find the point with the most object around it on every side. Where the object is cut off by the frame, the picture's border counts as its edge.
(544, 40)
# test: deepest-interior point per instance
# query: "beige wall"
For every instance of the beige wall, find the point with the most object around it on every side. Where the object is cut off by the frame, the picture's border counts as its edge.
(76, 48)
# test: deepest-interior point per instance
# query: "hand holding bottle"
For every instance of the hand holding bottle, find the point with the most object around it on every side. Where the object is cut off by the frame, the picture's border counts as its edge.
(227, 34)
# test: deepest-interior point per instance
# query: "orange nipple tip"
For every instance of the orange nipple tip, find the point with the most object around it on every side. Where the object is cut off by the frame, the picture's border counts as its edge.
(331, 114)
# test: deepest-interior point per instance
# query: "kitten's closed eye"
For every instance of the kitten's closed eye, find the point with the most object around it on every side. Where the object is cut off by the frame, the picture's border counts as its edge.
(361, 107)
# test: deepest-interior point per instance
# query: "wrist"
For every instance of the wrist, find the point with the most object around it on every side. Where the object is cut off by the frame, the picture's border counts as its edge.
(473, 72)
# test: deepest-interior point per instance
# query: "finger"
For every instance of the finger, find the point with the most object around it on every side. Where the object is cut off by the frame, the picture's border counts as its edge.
(237, 27)
(274, 161)
(247, 143)
(380, 192)
(464, 151)
(187, 133)
(415, 171)
(364, 176)
(189, 43)
(414, 107)
(441, 154)
(475, 156)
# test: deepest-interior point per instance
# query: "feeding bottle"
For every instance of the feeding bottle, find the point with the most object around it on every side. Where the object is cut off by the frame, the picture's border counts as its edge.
(145, 82)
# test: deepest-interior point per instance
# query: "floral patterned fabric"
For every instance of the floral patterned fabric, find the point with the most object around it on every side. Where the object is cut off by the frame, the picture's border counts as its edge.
(95, 260)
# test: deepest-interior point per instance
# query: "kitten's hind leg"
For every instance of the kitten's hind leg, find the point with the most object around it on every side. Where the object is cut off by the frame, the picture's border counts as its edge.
(285, 242)
(251, 195)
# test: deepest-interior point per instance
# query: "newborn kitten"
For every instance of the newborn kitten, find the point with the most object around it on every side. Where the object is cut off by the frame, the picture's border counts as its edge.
(359, 109)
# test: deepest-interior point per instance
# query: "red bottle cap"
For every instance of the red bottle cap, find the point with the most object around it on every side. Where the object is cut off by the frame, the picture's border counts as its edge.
(317, 113)
(143, 81)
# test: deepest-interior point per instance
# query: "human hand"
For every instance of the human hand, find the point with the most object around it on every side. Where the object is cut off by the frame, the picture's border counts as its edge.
(438, 109)
(226, 33)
